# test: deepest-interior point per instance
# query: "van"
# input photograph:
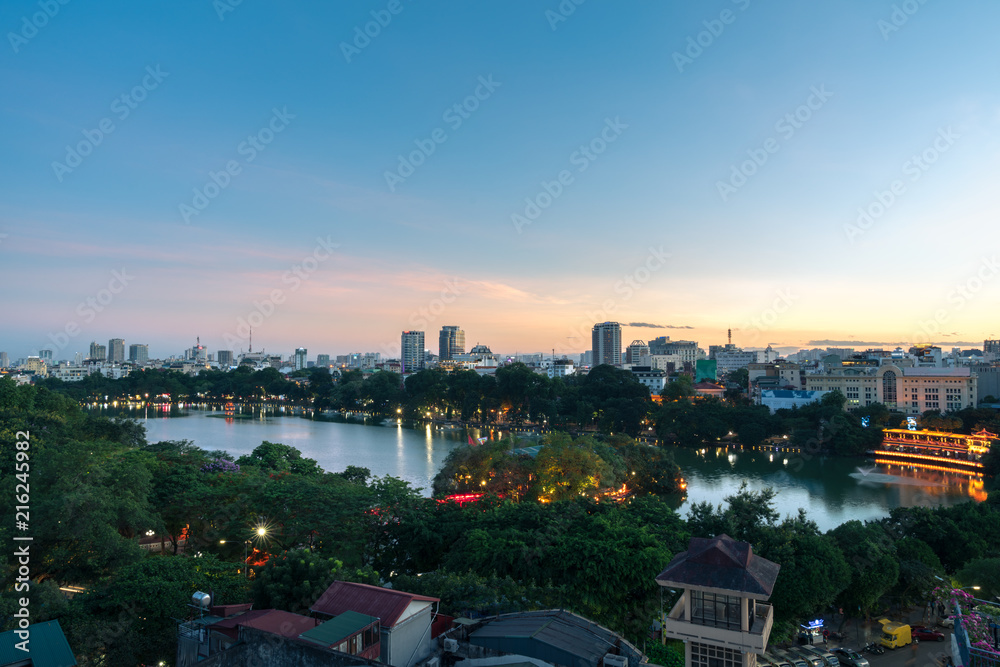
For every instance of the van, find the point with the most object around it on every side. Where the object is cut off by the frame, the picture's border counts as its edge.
(894, 635)
(829, 658)
(797, 661)
(810, 657)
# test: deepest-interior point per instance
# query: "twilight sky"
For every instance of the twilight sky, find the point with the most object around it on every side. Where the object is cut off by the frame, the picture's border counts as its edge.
(805, 173)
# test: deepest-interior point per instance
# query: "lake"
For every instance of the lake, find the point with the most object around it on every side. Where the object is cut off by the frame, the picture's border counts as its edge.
(831, 490)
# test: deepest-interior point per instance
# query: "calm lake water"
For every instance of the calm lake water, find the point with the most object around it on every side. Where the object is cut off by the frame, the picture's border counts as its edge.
(831, 490)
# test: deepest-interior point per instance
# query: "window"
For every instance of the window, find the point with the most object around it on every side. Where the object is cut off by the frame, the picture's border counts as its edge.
(703, 655)
(889, 388)
(721, 611)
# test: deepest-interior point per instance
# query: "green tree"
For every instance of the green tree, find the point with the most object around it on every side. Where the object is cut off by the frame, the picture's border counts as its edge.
(272, 457)
(870, 555)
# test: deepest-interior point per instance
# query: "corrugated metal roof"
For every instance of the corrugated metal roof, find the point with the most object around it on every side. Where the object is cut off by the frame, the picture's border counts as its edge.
(46, 643)
(274, 621)
(722, 562)
(559, 637)
(338, 629)
(384, 604)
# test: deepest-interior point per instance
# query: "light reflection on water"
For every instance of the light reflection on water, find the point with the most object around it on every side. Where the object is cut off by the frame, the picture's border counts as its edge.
(831, 490)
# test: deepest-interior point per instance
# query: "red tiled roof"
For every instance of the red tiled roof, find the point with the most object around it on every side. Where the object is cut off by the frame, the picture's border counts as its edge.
(274, 621)
(384, 603)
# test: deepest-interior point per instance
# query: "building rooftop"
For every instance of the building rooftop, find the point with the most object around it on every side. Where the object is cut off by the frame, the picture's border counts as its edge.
(556, 636)
(47, 644)
(721, 563)
(274, 621)
(385, 604)
(338, 629)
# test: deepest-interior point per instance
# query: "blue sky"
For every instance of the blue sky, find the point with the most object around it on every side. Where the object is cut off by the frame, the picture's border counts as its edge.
(651, 227)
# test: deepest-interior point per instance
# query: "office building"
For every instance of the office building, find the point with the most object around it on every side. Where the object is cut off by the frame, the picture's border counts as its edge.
(652, 378)
(4, 360)
(686, 350)
(323, 360)
(606, 343)
(560, 368)
(300, 358)
(635, 352)
(451, 342)
(138, 353)
(116, 350)
(98, 352)
(412, 351)
(46, 356)
(225, 358)
(910, 390)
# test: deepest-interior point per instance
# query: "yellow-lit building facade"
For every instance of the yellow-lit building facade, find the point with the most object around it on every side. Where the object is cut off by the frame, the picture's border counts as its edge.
(911, 391)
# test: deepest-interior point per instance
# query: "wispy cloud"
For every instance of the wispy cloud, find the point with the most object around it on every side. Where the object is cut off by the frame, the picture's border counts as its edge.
(656, 326)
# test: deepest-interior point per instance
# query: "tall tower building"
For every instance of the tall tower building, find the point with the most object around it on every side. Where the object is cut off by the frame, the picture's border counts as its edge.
(633, 352)
(451, 342)
(4, 360)
(225, 358)
(98, 352)
(138, 353)
(116, 350)
(607, 343)
(412, 347)
(300, 358)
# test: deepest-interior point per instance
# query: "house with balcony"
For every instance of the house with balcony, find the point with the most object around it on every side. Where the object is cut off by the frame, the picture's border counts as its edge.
(721, 616)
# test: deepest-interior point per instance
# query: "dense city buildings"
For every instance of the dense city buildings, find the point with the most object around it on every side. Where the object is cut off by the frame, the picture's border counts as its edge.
(412, 350)
(451, 342)
(908, 389)
(606, 344)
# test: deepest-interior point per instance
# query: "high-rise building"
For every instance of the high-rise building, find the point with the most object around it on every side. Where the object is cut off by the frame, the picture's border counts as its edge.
(4, 360)
(323, 360)
(225, 358)
(635, 351)
(116, 350)
(98, 352)
(46, 356)
(412, 349)
(77, 359)
(138, 353)
(300, 358)
(451, 342)
(607, 343)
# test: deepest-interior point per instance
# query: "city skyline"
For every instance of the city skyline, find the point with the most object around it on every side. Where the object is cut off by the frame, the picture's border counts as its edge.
(799, 174)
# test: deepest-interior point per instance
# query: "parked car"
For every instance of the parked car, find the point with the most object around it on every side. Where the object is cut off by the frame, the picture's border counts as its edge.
(829, 658)
(926, 634)
(810, 657)
(947, 623)
(849, 658)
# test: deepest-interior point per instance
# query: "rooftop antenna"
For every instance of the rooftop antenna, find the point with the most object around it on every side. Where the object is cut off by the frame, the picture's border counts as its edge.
(730, 336)
(251, 341)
